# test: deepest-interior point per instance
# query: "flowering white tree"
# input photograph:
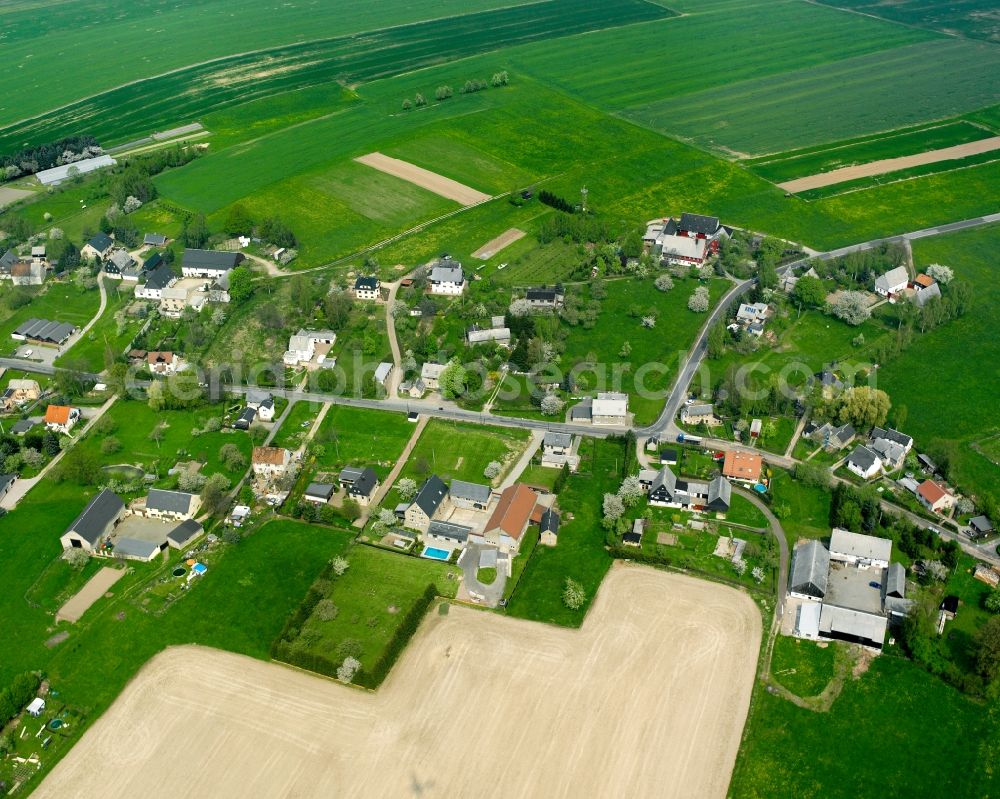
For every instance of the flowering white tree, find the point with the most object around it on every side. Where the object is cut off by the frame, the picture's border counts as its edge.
(552, 405)
(406, 488)
(740, 566)
(340, 564)
(941, 273)
(573, 595)
(613, 507)
(698, 301)
(649, 321)
(131, 204)
(347, 669)
(492, 469)
(664, 283)
(758, 574)
(520, 308)
(851, 307)
(631, 491)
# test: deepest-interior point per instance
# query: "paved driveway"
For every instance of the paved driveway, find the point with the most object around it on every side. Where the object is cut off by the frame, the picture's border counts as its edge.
(469, 562)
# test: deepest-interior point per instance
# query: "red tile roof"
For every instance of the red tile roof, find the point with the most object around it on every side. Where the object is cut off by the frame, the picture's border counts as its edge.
(513, 511)
(57, 414)
(742, 465)
(931, 491)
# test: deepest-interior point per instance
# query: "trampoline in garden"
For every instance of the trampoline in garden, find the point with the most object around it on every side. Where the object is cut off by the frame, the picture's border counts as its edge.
(55, 724)
(180, 571)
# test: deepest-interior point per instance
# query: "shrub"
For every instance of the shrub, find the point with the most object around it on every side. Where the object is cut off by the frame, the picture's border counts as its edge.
(573, 595)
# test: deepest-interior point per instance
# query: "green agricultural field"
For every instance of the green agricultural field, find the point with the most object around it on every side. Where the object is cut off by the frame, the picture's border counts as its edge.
(790, 751)
(372, 597)
(674, 333)
(973, 18)
(580, 554)
(461, 451)
(814, 160)
(361, 437)
(964, 353)
(804, 667)
(182, 96)
(183, 34)
(182, 440)
(874, 92)
(532, 264)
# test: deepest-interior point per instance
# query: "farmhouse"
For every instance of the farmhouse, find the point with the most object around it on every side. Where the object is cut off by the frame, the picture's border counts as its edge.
(98, 248)
(363, 485)
(43, 331)
(413, 388)
(610, 407)
(471, 496)
(209, 263)
(509, 519)
(447, 532)
(891, 453)
(430, 374)
(854, 626)
(176, 505)
(863, 551)
(744, 467)
(160, 278)
(689, 240)
(431, 502)
(97, 521)
(367, 288)
(28, 273)
(863, 462)
(545, 299)
(119, 262)
(309, 345)
(164, 363)
(668, 491)
(548, 528)
(698, 413)
(61, 418)
(319, 493)
(935, 497)
(832, 437)
(270, 461)
(892, 282)
(810, 571)
(446, 277)
(174, 299)
(921, 298)
(888, 434)
(558, 449)
(20, 392)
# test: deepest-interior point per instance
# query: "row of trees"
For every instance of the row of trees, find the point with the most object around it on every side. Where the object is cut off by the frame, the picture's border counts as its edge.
(38, 157)
(469, 87)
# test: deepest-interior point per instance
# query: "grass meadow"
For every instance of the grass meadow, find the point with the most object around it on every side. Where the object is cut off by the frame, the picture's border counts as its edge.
(804, 667)
(949, 404)
(895, 725)
(461, 451)
(60, 301)
(361, 437)
(105, 340)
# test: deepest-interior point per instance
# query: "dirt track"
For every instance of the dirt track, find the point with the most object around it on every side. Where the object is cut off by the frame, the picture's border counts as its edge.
(648, 699)
(95, 588)
(846, 173)
(494, 246)
(445, 187)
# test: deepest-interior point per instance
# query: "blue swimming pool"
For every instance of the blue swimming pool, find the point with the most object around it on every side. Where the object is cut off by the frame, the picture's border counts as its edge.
(760, 488)
(436, 554)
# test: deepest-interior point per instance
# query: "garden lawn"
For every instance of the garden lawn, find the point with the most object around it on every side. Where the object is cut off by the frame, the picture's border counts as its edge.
(809, 507)
(55, 300)
(742, 511)
(803, 667)
(791, 751)
(296, 425)
(460, 451)
(580, 554)
(361, 437)
(105, 341)
(372, 597)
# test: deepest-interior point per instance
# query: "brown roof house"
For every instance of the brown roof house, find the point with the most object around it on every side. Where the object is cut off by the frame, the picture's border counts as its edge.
(742, 466)
(61, 418)
(270, 461)
(509, 520)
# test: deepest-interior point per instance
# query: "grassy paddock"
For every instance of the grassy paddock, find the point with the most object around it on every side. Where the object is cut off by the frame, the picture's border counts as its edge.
(803, 667)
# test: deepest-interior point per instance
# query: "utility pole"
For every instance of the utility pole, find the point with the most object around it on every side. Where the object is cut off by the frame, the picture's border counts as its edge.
(583, 199)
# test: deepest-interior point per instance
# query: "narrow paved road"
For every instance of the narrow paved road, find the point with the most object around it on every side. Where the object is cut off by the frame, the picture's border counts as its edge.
(779, 535)
(392, 389)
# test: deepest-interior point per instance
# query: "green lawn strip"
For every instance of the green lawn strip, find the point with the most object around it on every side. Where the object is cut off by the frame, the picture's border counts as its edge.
(361, 437)
(580, 554)
(296, 425)
(529, 542)
(810, 505)
(371, 599)
(804, 667)
(791, 751)
(543, 476)
(487, 576)
(462, 451)
(107, 339)
(742, 511)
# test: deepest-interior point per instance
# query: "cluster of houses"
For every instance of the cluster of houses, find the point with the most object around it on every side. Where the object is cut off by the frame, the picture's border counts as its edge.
(359, 483)
(28, 270)
(896, 283)
(751, 318)
(692, 239)
(607, 408)
(847, 591)
(885, 452)
(149, 526)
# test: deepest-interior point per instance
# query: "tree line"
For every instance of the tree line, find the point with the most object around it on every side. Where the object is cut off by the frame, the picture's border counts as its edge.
(39, 157)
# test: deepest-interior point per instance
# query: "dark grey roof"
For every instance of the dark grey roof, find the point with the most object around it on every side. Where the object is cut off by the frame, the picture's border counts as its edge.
(186, 531)
(8, 259)
(475, 492)
(168, 501)
(365, 483)
(665, 481)
(135, 548)
(862, 457)
(350, 473)
(456, 532)
(719, 494)
(245, 419)
(895, 581)
(632, 538)
(668, 454)
(924, 296)
(892, 435)
(670, 227)
(101, 242)
(950, 604)
(810, 569)
(431, 495)
(22, 426)
(549, 522)
(160, 277)
(696, 223)
(554, 439)
(152, 262)
(211, 259)
(45, 330)
(369, 282)
(6, 481)
(93, 522)
(542, 295)
(981, 524)
(583, 412)
(321, 490)
(154, 240)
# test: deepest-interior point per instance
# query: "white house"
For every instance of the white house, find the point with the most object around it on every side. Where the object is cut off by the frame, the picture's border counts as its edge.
(209, 263)
(176, 505)
(263, 403)
(160, 278)
(859, 550)
(270, 461)
(98, 248)
(367, 288)
(119, 263)
(935, 497)
(610, 407)
(61, 418)
(892, 282)
(689, 240)
(164, 363)
(863, 462)
(447, 277)
(302, 346)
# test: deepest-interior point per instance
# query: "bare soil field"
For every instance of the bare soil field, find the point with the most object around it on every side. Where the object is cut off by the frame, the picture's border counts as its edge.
(95, 588)
(648, 698)
(9, 196)
(890, 165)
(505, 239)
(424, 178)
